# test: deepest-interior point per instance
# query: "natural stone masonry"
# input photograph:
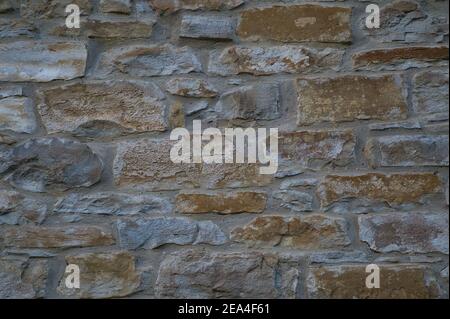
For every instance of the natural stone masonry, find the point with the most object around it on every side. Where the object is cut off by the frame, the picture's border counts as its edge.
(349, 282)
(405, 232)
(303, 23)
(349, 98)
(86, 177)
(42, 61)
(309, 232)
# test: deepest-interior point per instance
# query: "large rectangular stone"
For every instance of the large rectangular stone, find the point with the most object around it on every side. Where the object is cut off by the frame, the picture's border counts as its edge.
(430, 91)
(350, 97)
(296, 23)
(405, 232)
(41, 60)
(393, 189)
(207, 26)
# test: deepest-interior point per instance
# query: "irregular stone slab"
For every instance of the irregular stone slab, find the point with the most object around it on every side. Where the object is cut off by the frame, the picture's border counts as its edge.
(147, 60)
(393, 189)
(175, 5)
(310, 148)
(112, 203)
(349, 282)
(190, 87)
(103, 275)
(307, 232)
(56, 236)
(430, 91)
(197, 275)
(42, 164)
(295, 200)
(13, 27)
(348, 98)
(145, 164)
(17, 115)
(296, 23)
(16, 208)
(222, 203)
(7, 90)
(207, 26)
(151, 233)
(43, 9)
(253, 102)
(22, 279)
(408, 150)
(405, 232)
(115, 6)
(404, 57)
(118, 27)
(41, 61)
(272, 60)
(217, 176)
(133, 106)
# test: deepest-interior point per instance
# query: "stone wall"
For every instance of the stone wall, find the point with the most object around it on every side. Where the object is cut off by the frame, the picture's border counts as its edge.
(86, 178)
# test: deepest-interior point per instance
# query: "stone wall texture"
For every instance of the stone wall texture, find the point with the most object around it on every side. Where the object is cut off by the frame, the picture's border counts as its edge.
(86, 178)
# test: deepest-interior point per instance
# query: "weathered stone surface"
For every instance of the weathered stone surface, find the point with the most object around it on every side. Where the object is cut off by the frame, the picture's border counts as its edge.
(408, 150)
(175, 5)
(207, 26)
(103, 275)
(145, 163)
(349, 98)
(112, 203)
(430, 92)
(197, 275)
(41, 61)
(42, 164)
(190, 87)
(133, 106)
(5, 6)
(296, 23)
(234, 176)
(118, 27)
(12, 27)
(306, 232)
(255, 102)
(312, 148)
(405, 21)
(147, 60)
(393, 189)
(115, 6)
(7, 90)
(40, 9)
(16, 208)
(21, 278)
(55, 236)
(295, 200)
(349, 282)
(271, 60)
(222, 203)
(17, 115)
(405, 232)
(404, 57)
(151, 233)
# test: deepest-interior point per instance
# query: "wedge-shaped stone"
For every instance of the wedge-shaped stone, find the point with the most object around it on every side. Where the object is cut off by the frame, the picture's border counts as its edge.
(41, 61)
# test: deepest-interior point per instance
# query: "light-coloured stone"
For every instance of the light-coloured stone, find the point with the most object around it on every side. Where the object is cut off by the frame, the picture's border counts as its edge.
(349, 282)
(44, 9)
(307, 232)
(16, 208)
(13, 27)
(55, 236)
(17, 115)
(147, 60)
(103, 275)
(393, 188)
(41, 61)
(296, 23)
(133, 106)
(175, 5)
(192, 274)
(295, 200)
(350, 97)
(150, 233)
(190, 87)
(115, 6)
(408, 150)
(207, 26)
(222, 203)
(405, 232)
(272, 60)
(430, 92)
